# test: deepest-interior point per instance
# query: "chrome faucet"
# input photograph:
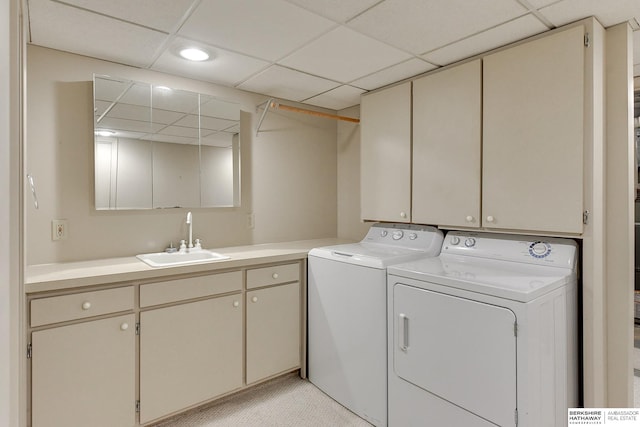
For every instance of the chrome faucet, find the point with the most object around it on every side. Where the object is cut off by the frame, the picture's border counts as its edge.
(190, 224)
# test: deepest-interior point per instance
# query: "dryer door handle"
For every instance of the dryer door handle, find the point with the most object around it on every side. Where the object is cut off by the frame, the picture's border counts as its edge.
(403, 331)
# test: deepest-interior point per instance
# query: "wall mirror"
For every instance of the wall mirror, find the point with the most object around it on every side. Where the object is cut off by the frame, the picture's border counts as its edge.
(157, 147)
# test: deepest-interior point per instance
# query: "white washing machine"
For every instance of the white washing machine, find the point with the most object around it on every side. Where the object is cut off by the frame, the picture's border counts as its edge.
(484, 334)
(347, 314)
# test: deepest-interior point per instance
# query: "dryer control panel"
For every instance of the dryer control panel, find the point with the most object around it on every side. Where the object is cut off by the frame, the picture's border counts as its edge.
(550, 251)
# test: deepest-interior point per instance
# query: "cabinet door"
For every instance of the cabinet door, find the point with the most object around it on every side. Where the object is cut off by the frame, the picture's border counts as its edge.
(533, 98)
(84, 374)
(447, 147)
(189, 353)
(385, 183)
(273, 331)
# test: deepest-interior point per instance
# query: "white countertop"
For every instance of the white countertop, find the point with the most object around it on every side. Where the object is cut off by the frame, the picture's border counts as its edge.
(50, 277)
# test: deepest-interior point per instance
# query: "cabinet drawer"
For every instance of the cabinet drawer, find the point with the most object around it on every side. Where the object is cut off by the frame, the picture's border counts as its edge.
(192, 287)
(81, 305)
(273, 275)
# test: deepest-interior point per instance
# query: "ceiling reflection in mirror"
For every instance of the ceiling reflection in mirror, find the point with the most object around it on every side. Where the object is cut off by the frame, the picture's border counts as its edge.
(158, 147)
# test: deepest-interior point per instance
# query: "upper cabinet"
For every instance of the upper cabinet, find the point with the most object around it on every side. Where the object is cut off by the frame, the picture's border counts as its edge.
(533, 133)
(493, 143)
(446, 147)
(386, 155)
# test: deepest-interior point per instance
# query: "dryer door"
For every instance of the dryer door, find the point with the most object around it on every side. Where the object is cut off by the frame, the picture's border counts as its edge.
(461, 350)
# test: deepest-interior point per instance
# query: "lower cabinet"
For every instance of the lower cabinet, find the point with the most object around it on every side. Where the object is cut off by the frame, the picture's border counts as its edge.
(273, 331)
(189, 353)
(84, 374)
(134, 354)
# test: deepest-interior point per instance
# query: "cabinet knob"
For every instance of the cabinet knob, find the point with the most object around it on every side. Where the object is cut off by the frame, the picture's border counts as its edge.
(124, 326)
(236, 304)
(403, 214)
(490, 218)
(469, 218)
(254, 299)
(86, 305)
(274, 275)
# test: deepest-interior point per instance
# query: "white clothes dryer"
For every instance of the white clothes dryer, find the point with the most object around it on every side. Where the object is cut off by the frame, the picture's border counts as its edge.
(347, 314)
(484, 334)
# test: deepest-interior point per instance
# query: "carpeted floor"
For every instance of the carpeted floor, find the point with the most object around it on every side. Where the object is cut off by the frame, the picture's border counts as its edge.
(287, 401)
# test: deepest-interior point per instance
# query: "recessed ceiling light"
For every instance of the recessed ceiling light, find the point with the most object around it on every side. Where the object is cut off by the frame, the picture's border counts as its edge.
(194, 54)
(104, 132)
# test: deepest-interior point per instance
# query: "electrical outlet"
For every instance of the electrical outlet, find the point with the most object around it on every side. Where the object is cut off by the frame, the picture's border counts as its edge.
(251, 221)
(59, 229)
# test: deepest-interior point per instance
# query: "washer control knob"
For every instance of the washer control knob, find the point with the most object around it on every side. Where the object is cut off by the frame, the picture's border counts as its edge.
(413, 236)
(383, 233)
(397, 235)
(455, 240)
(470, 242)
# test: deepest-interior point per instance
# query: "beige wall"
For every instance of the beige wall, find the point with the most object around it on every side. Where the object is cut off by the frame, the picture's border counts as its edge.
(288, 171)
(349, 224)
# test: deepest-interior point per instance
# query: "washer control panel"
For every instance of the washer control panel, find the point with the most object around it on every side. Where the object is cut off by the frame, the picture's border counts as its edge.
(412, 236)
(520, 248)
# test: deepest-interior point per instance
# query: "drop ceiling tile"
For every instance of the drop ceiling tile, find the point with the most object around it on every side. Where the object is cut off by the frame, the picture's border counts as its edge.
(289, 84)
(338, 98)
(501, 35)
(393, 74)
(541, 3)
(344, 55)
(227, 68)
(263, 29)
(162, 15)
(419, 26)
(70, 29)
(337, 10)
(609, 12)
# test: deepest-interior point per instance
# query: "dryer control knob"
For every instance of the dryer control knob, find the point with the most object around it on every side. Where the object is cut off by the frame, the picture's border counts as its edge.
(397, 235)
(455, 240)
(413, 236)
(470, 242)
(539, 249)
(383, 233)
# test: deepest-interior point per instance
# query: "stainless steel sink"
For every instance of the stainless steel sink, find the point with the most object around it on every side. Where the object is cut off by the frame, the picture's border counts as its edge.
(166, 259)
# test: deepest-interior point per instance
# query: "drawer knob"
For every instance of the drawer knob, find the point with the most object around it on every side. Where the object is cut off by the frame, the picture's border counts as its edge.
(275, 275)
(86, 305)
(124, 326)
(469, 218)
(236, 304)
(490, 219)
(254, 299)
